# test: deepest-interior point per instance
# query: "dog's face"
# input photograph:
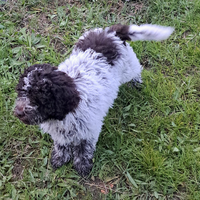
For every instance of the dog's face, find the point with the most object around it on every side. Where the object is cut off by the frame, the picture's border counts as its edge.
(44, 93)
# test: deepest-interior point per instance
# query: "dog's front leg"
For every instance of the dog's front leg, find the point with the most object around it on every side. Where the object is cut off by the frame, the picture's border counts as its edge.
(60, 155)
(83, 154)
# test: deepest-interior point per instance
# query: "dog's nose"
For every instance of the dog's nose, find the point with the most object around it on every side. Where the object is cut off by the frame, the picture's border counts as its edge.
(19, 112)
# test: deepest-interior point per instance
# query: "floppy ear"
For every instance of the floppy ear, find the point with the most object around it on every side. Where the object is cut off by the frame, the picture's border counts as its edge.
(64, 93)
(40, 94)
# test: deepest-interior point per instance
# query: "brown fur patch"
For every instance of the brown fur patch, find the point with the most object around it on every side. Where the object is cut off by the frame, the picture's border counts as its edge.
(100, 43)
(121, 31)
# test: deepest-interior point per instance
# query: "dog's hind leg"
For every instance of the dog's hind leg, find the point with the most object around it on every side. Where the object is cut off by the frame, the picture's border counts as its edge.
(136, 83)
(83, 154)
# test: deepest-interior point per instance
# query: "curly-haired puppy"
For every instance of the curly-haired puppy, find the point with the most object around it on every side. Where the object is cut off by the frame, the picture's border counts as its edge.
(71, 101)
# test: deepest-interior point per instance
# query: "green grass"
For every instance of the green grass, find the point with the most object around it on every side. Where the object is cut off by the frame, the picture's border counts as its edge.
(149, 146)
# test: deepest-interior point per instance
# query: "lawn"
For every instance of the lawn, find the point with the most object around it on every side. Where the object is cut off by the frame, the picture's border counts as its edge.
(149, 147)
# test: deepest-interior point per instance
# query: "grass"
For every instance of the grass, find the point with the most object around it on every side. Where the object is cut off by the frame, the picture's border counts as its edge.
(149, 146)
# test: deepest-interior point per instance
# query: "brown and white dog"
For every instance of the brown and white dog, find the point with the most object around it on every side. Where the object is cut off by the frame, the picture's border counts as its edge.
(71, 101)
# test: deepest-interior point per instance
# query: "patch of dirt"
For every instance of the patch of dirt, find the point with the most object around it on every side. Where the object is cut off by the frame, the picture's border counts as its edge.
(99, 188)
(58, 44)
(17, 170)
(44, 23)
(40, 21)
(133, 7)
(69, 2)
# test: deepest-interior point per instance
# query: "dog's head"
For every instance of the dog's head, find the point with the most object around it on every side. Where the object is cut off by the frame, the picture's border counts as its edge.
(45, 93)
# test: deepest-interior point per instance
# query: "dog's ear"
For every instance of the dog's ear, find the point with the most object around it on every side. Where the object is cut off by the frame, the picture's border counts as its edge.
(40, 94)
(65, 94)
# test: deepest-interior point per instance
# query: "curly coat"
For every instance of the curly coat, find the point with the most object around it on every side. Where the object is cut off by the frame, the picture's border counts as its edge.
(71, 102)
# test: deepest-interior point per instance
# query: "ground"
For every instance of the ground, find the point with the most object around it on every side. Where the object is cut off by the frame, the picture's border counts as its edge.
(149, 145)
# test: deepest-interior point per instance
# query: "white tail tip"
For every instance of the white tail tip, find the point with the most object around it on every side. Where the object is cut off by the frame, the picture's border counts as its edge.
(150, 32)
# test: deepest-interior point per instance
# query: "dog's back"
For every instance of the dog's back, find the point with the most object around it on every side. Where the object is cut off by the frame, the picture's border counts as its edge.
(111, 44)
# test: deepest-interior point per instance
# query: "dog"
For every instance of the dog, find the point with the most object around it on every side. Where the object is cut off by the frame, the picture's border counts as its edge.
(71, 101)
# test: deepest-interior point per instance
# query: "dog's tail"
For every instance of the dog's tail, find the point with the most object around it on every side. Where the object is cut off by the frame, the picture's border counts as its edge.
(143, 32)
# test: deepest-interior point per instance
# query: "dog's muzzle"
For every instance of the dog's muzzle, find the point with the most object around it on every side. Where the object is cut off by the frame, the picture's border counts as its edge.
(19, 111)
(21, 105)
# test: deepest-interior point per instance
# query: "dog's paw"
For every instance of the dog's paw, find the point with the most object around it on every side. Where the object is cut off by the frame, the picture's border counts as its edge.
(83, 166)
(137, 83)
(60, 156)
(82, 155)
